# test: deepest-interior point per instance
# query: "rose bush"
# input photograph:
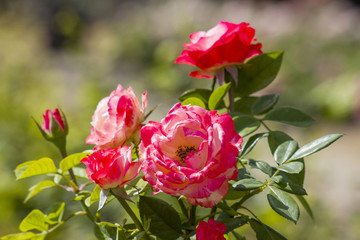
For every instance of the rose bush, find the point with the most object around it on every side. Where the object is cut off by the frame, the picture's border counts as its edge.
(111, 168)
(224, 45)
(117, 119)
(191, 152)
(210, 230)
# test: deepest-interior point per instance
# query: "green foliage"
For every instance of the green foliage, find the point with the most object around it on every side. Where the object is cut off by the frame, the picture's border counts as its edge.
(71, 161)
(284, 151)
(264, 232)
(38, 188)
(283, 204)
(315, 146)
(33, 168)
(245, 125)
(164, 220)
(264, 104)
(289, 115)
(35, 220)
(257, 73)
(217, 96)
(194, 101)
(23, 236)
(244, 105)
(247, 184)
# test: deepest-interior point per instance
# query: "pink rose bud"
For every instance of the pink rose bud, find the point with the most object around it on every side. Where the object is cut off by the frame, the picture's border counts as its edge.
(191, 152)
(53, 122)
(210, 230)
(111, 168)
(223, 46)
(117, 119)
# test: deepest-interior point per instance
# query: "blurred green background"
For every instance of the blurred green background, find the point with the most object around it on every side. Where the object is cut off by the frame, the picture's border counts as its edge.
(72, 53)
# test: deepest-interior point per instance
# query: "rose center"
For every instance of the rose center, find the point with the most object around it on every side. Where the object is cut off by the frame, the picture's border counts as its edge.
(183, 151)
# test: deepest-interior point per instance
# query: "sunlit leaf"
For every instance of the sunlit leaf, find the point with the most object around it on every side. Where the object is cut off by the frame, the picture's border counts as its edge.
(233, 223)
(34, 220)
(292, 167)
(276, 138)
(247, 184)
(24, 236)
(284, 151)
(33, 168)
(194, 101)
(264, 104)
(106, 231)
(55, 213)
(38, 188)
(202, 94)
(283, 204)
(217, 95)
(71, 161)
(315, 146)
(289, 115)
(263, 166)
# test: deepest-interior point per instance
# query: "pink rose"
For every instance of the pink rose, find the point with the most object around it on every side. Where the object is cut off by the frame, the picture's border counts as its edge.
(191, 152)
(210, 231)
(224, 45)
(111, 168)
(117, 119)
(53, 121)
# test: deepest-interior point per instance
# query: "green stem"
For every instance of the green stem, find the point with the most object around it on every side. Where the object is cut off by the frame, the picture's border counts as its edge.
(192, 219)
(212, 212)
(213, 84)
(183, 208)
(129, 211)
(231, 100)
(262, 122)
(64, 155)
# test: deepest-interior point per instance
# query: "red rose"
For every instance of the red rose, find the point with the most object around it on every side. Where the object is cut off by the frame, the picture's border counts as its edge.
(224, 45)
(210, 231)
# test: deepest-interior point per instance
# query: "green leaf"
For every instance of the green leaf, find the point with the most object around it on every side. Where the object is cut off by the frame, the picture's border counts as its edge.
(202, 94)
(264, 104)
(251, 142)
(283, 204)
(232, 223)
(79, 172)
(55, 213)
(247, 184)
(292, 167)
(276, 138)
(194, 101)
(165, 221)
(217, 95)
(33, 168)
(263, 166)
(34, 220)
(289, 115)
(71, 161)
(284, 151)
(24, 236)
(315, 146)
(233, 194)
(306, 205)
(245, 125)
(38, 188)
(228, 210)
(291, 183)
(244, 105)
(264, 232)
(105, 231)
(257, 73)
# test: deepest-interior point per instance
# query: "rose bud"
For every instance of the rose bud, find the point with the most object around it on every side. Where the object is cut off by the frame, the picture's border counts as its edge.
(111, 168)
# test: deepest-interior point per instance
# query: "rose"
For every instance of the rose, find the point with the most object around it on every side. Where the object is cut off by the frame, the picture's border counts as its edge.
(224, 45)
(210, 230)
(191, 152)
(111, 168)
(117, 119)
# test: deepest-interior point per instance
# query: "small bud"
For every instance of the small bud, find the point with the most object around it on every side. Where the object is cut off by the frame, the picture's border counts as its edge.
(54, 127)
